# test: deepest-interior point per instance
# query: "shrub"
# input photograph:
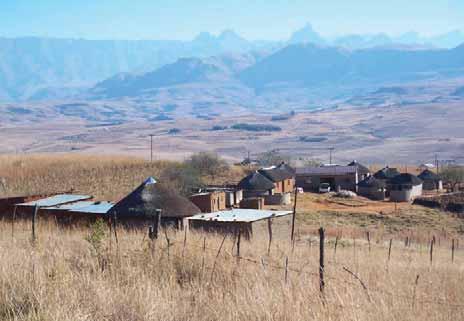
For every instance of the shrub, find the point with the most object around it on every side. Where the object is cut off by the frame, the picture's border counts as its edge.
(256, 127)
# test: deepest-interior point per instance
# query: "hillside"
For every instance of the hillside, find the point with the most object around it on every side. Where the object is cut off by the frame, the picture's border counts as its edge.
(309, 65)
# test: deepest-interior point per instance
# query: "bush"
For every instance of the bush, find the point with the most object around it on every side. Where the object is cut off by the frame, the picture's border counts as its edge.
(217, 127)
(174, 131)
(209, 164)
(256, 127)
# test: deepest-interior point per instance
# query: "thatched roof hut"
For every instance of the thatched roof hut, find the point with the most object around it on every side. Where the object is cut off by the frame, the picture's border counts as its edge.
(256, 182)
(148, 197)
(387, 173)
(428, 175)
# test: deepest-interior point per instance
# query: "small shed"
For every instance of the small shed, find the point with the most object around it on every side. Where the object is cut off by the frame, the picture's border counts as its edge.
(209, 201)
(139, 206)
(405, 187)
(372, 188)
(431, 180)
(248, 222)
(79, 212)
(27, 209)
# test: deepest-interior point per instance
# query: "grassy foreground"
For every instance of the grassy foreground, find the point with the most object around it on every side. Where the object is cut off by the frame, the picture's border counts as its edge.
(84, 275)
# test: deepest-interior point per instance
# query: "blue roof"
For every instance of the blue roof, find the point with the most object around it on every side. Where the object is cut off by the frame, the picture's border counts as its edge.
(239, 215)
(95, 208)
(56, 200)
(69, 206)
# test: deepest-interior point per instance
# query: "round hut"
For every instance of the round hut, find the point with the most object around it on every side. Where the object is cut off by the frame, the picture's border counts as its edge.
(405, 187)
(256, 184)
(372, 188)
(142, 203)
(431, 180)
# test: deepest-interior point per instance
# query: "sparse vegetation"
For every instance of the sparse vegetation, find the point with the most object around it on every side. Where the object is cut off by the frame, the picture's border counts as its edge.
(453, 175)
(256, 127)
(174, 131)
(313, 139)
(218, 127)
(272, 158)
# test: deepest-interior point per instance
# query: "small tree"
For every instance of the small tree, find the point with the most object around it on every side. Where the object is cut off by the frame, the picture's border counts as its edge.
(453, 175)
(272, 158)
(208, 164)
(181, 177)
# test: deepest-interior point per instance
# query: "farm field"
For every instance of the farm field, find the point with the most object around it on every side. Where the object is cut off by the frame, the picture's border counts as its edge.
(86, 273)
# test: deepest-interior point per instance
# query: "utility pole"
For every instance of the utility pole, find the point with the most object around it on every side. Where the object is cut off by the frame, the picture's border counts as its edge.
(436, 163)
(330, 155)
(151, 148)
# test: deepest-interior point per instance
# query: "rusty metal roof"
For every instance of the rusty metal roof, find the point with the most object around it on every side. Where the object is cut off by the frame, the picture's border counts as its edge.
(239, 215)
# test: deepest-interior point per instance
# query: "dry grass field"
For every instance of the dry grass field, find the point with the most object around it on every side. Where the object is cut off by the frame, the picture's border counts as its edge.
(67, 275)
(83, 274)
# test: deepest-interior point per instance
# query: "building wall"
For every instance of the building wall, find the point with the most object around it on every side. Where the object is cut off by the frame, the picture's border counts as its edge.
(404, 194)
(432, 185)
(281, 227)
(312, 182)
(372, 193)
(256, 203)
(210, 202)
(278, 199)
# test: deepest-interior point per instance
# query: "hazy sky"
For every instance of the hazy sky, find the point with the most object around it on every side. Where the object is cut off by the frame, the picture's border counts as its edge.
(254, 19)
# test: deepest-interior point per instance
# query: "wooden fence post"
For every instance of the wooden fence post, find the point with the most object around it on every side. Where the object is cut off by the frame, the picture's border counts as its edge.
(432, 243)
(286, 269)
(292, 238)
(13, 221)
(115, 222)
(390, 249)
(336, 244)
(239, 235)
(269, 229)
(321, 259)
(153, 231)
(368, 235)
(452, 251)
(34, 218)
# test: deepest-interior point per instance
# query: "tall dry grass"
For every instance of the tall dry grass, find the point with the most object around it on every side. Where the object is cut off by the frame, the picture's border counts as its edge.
(104, 177)
(68, 276)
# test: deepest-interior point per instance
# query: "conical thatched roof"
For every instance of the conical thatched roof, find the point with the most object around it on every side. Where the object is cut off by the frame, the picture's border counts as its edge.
(256, 181)
(151, 195)
(406, 179)
(428, 175)
(387, 173)
(372, 182)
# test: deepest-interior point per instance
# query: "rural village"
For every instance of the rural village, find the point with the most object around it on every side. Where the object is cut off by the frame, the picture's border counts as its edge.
(264, 221)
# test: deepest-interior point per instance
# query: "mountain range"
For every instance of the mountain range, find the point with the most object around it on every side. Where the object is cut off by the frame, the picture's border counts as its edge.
(298, 66)
(34, 69)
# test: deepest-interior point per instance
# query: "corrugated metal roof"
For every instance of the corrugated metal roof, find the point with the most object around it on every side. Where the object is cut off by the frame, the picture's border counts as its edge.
(326, 170)
(95, 208)
(69, 206)
(239, 215)
(57, 200)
